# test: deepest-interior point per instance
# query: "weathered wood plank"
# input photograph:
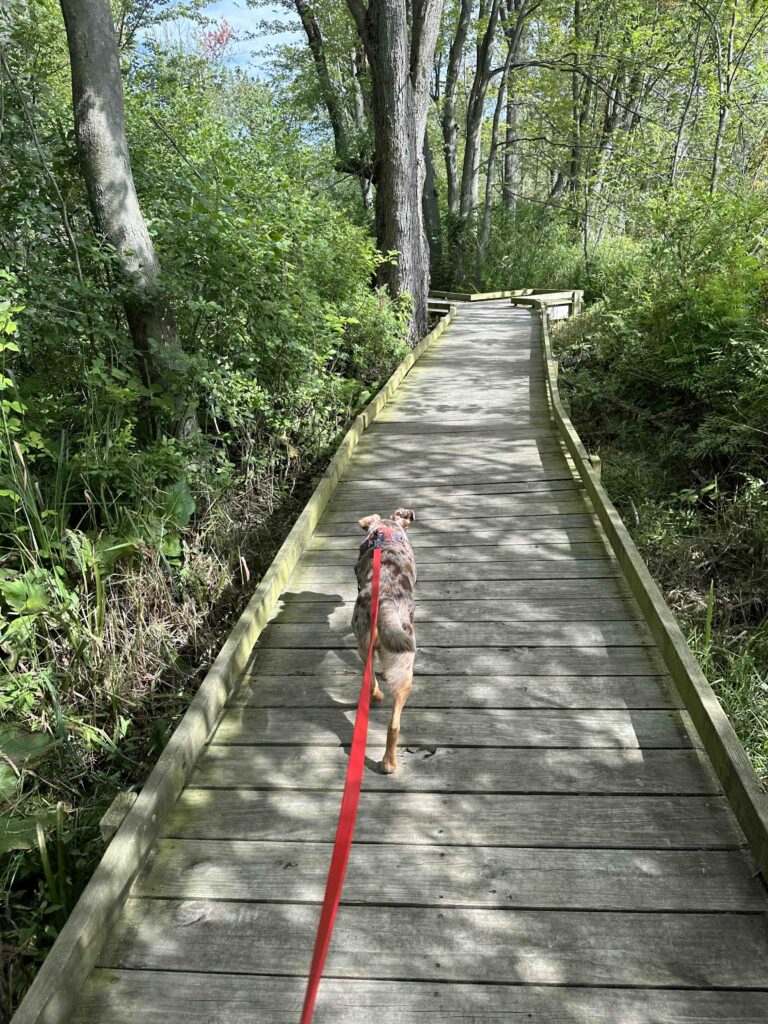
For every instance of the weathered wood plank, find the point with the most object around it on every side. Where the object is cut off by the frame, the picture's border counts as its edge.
(482, 727)
(544, 536)
(472, 634)
(489, 507)
(146, 997)
(432, 572)
(492, 526)
(526, 661)
(603, 822)
(455, 876)
(474, 590)
(431, 768)
(429, 490)
(338, 614)
(462, 469)
(484, 553)
(446, 944)
(473, 692)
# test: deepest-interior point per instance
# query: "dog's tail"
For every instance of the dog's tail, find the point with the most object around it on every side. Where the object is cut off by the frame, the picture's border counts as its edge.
(391, 635)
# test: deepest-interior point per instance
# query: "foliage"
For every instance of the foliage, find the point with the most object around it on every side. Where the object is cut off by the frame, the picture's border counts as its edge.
(122, 555)
(666, 377)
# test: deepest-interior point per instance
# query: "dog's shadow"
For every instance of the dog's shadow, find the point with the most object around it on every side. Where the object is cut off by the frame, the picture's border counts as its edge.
(327, 619)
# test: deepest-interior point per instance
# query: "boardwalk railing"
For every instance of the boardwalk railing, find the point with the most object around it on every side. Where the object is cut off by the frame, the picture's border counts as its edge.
(729, 759)
(56, 990)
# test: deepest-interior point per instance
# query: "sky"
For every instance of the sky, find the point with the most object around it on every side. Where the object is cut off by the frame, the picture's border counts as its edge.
(251, 53)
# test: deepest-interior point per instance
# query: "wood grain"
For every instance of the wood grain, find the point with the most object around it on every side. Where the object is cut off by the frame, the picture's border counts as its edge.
(146, 997)
(446, 944)
(481, 727)
(474, 692)
(432, 768)
(456, 876)
(601, 822)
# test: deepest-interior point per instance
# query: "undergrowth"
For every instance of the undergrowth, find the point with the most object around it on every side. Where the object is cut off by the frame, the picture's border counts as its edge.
(669, 398)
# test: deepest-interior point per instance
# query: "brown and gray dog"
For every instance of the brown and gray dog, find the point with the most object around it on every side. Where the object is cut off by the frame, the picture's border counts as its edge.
(395, 641)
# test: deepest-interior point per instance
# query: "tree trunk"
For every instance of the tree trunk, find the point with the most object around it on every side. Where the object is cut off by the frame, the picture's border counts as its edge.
(448, 120)
(97, 95)
(511, 155)
(366, 188)
(470, 173)
(430, 206)
(399, 40)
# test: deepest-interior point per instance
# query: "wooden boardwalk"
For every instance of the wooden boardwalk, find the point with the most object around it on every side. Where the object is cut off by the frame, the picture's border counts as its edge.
(555, 846)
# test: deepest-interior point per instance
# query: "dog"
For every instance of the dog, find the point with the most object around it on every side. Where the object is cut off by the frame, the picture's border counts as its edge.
(395, 639)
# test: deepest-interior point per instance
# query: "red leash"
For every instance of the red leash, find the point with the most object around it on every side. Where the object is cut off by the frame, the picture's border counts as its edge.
(347, 814)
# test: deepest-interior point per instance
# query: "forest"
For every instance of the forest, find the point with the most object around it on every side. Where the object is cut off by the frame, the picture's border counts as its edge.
(179, 364)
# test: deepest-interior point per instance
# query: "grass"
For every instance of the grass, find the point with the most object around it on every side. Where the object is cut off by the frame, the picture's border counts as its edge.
(160, 624)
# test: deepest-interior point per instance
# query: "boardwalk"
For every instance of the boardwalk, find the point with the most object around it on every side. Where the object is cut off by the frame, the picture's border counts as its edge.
(555, 846)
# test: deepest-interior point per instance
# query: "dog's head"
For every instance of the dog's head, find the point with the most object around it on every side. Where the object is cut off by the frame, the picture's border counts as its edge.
(402, 517)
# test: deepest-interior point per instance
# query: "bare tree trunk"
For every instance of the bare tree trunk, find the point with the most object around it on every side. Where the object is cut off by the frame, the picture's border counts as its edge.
(511, 154)
(448, 120)
(431, 207)
(366, 188)
(399, 39)
(677, 154)
(470, 173)
(725, 76)
(97, 94)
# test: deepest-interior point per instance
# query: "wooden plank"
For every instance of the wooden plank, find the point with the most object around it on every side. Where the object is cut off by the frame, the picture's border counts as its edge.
(455, 876)
(141, 997)
(347, 554)
(433, 572)
(422, 490)
(463, 770)
(336, 614)
(493, 526)
(490, 507)
(498, 467)
(514, 425)
(461, 661)
(729, 758)
(474, 692)
(475, 590)
(55, 990)
(640, 822)
(544, 536)
(410, 447)
(473, 634)
(480, 727)
(445, 944)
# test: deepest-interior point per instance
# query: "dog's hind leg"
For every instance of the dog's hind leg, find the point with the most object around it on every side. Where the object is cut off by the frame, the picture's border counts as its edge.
(402, 678)
(362, 650)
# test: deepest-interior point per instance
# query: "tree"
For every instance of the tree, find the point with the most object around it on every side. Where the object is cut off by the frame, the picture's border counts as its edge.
(97, 96)
(399, 40)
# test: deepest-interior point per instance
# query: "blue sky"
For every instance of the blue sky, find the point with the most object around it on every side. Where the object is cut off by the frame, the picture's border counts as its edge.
(253, 53)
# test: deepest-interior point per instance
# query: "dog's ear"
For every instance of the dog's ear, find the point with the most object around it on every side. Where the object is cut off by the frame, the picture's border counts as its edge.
(369, 521)
(404, 516)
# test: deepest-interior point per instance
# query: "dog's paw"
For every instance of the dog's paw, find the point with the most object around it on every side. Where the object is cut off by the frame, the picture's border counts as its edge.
(378, 696)
(388, 767)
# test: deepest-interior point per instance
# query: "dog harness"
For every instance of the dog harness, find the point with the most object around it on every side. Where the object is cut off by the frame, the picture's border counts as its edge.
(383, 537)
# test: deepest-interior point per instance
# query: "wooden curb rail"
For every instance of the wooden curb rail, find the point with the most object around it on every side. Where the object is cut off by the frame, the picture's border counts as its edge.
(56, 990)
(729, 759)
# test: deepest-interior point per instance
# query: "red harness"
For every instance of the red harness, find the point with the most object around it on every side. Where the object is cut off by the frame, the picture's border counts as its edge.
(383, 537)
(348, 813)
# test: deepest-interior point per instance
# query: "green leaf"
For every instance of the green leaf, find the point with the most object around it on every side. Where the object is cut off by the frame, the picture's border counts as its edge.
(24, 596)
(20, 749)
(178, 505)
(19, 831)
